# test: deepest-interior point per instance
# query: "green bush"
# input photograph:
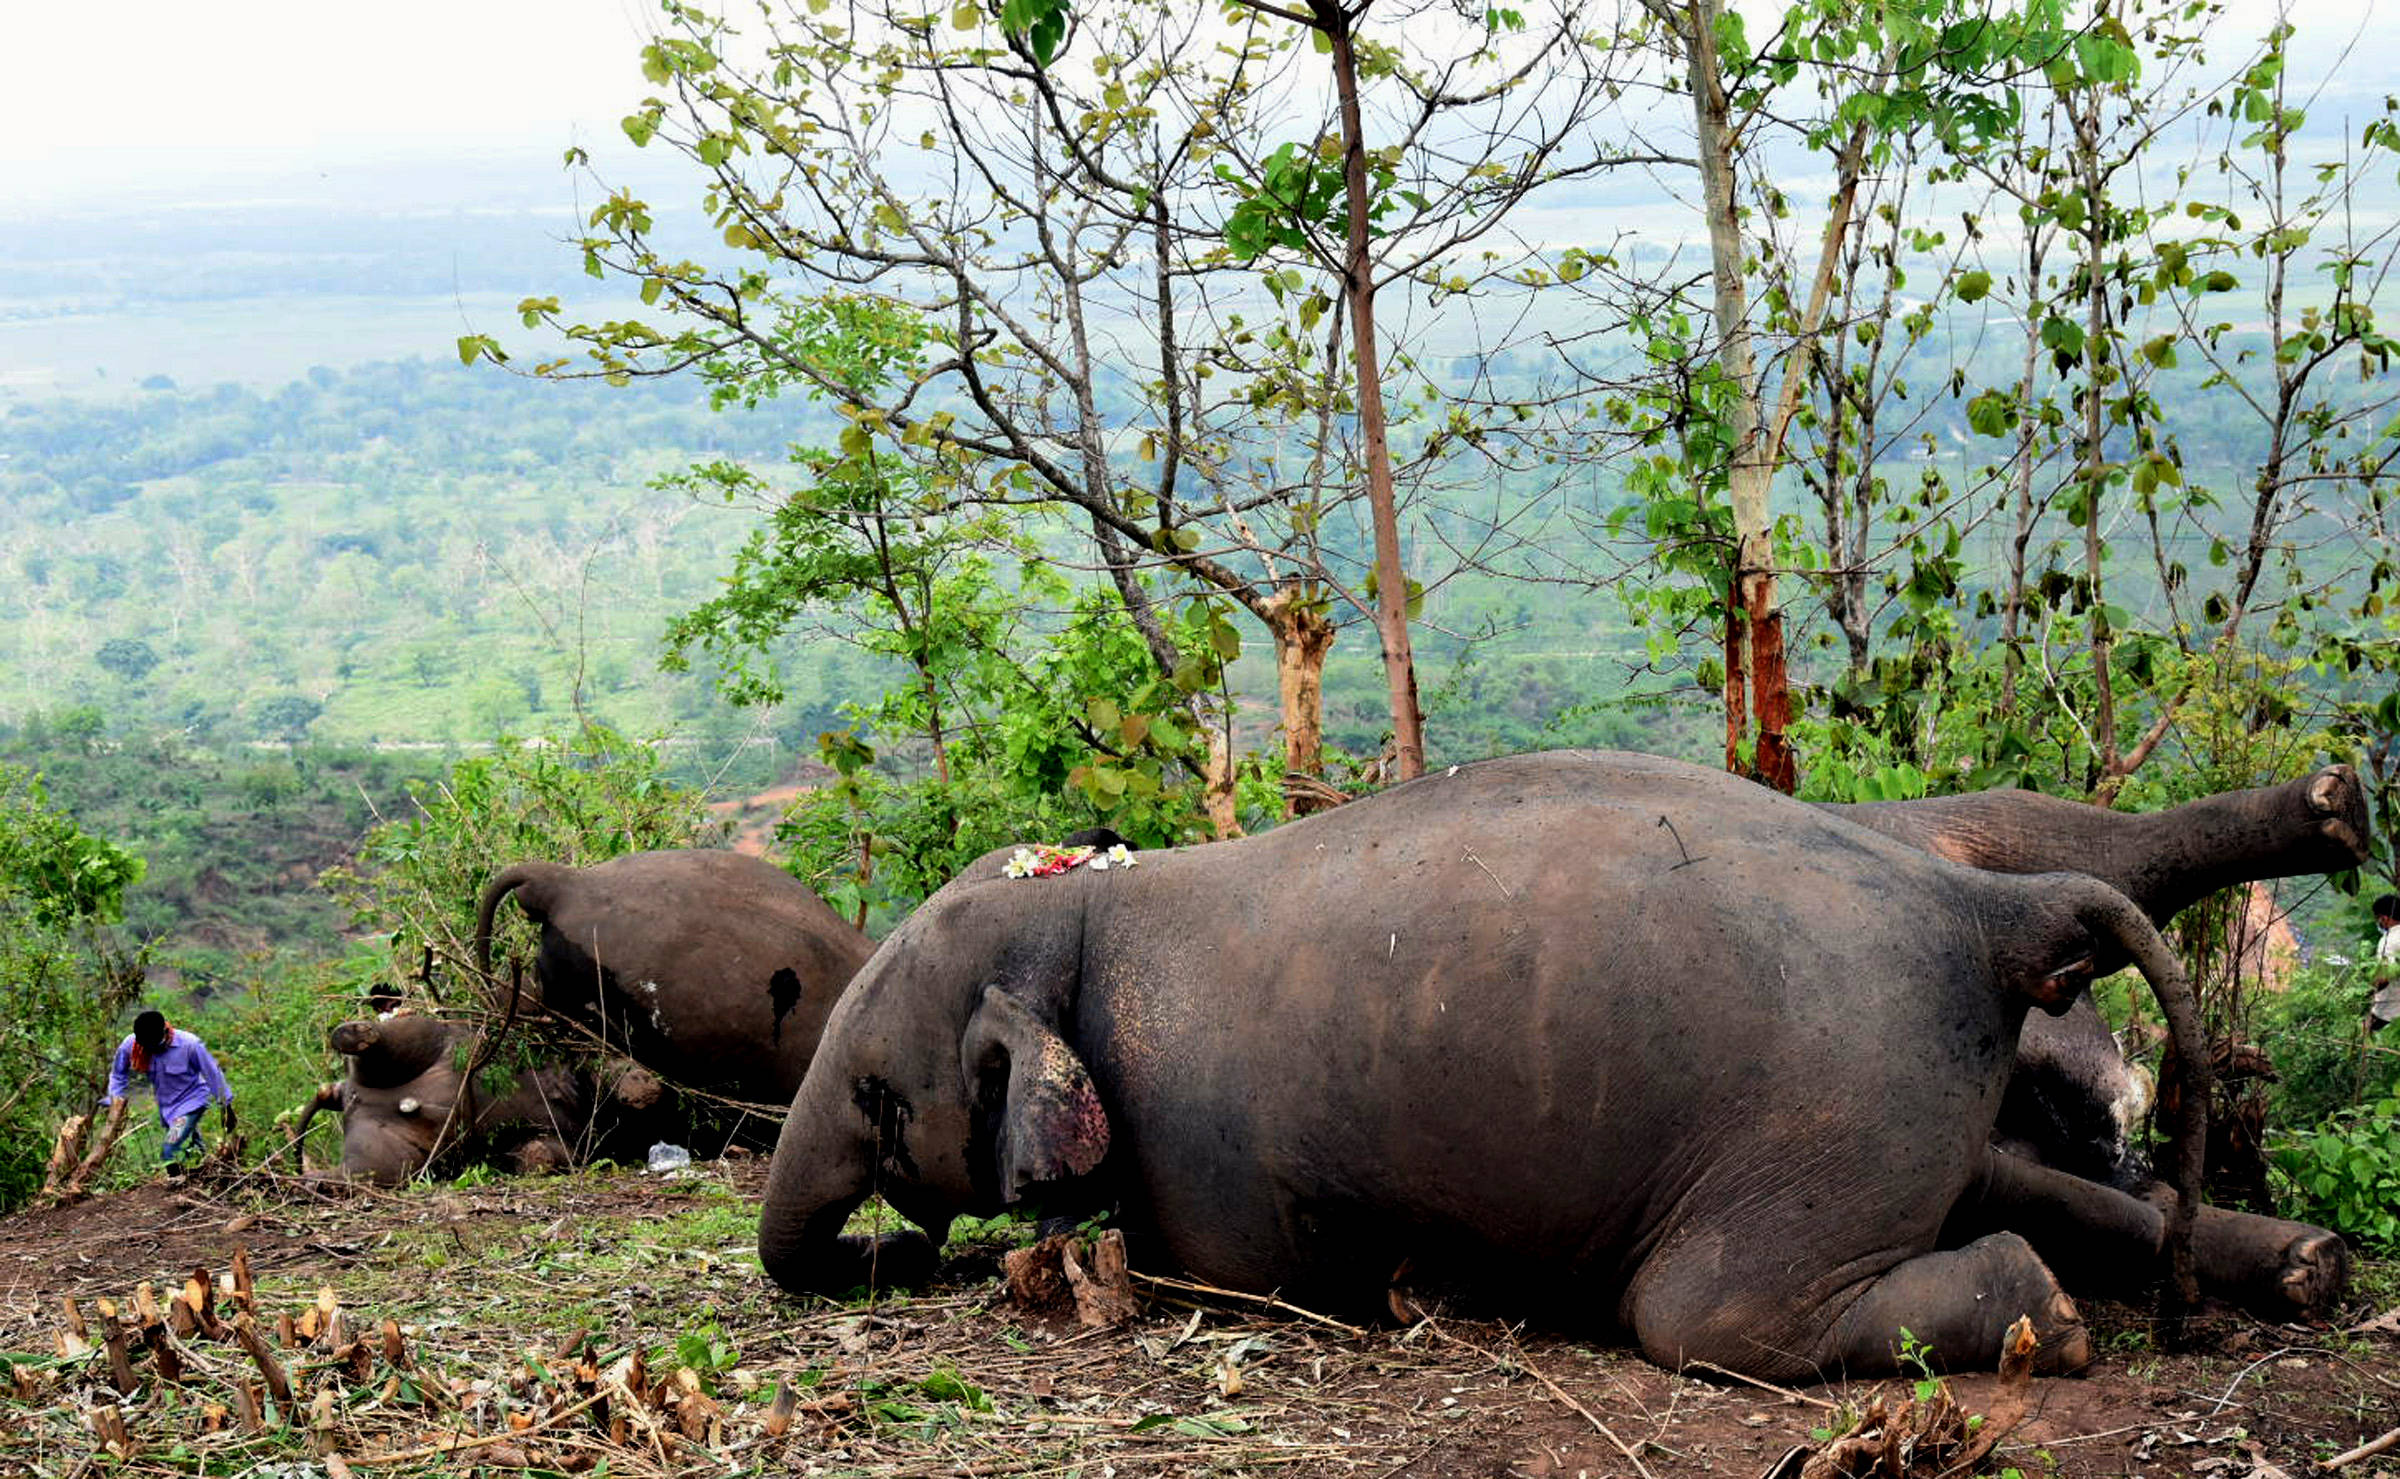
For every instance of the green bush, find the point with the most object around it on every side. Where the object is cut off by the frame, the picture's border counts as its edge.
(2310, 1030)
(2345, 1175)
(67, 975)
(582, 799)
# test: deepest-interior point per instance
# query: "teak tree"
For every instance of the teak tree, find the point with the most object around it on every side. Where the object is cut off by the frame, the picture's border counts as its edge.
(1076, 223)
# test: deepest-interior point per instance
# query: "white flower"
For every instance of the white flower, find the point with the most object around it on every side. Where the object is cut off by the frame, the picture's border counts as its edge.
(1121, 855)
(1098, 865)
(1020, 863)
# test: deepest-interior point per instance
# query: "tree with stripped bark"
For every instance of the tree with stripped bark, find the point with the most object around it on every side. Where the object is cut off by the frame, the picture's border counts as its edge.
(1853, 83)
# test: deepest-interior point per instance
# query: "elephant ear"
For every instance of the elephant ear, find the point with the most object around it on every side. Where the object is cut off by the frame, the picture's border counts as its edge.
(1050, 1125)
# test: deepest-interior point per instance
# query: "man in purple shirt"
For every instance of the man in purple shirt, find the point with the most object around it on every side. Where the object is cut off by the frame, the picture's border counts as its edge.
(182, 1075)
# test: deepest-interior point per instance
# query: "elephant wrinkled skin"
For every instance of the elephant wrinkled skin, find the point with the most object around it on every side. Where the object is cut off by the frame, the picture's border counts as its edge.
(1632, 1038)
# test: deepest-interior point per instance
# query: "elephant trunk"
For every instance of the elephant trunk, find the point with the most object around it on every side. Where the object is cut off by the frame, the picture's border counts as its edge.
(2184, 1077)
(822, 1171)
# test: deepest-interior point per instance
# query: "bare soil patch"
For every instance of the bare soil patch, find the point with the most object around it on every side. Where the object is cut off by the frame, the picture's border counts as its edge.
(551, 1324)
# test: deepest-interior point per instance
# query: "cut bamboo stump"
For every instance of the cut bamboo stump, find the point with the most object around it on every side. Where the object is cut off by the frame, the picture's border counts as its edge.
(120, 1359)
(279, 1385)
(64, 1154)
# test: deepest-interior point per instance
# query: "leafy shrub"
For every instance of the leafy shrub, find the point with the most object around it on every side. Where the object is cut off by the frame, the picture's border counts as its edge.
(68, 977)
(2345, 1175)
(593, 796)
(2310, 1030)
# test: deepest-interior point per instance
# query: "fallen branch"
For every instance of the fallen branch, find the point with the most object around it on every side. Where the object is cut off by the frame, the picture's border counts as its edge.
(2368, 1449)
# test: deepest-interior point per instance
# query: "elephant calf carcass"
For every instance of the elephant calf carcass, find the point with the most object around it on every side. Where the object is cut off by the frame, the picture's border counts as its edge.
(404, 1102)
(1637, 1039)
(713, 970)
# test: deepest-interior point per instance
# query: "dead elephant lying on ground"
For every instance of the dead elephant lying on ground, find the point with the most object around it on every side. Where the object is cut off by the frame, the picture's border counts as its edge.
(404, 1101)
(679, 970)
(1629, 1040)
(714, 970)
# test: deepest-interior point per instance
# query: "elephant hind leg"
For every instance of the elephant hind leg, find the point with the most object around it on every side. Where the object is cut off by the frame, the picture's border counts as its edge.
(1958, 1305)
(2275, 1269)
(2101, 1240)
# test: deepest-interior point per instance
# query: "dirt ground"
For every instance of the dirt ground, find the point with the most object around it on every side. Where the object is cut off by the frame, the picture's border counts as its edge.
(557, 1324)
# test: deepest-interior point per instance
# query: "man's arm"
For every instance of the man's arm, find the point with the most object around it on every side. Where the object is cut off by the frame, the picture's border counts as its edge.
(119, 1072)
(213, 1075)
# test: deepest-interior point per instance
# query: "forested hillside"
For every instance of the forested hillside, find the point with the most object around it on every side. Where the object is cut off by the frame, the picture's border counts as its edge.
(1212, 459)
(395, 554)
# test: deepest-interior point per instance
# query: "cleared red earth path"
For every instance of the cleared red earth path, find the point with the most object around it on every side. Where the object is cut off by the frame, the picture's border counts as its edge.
(553, 1324)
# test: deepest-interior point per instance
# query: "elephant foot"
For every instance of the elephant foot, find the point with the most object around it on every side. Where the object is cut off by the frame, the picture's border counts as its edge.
(2274, 1269)
(2340, 804)
(2065, 1345)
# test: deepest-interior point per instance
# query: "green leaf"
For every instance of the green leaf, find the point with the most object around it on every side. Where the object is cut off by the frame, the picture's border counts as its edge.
(1973, 286)
(1993, 413)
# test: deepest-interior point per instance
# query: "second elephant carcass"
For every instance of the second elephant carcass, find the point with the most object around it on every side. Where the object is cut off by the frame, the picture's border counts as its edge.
(713, 970)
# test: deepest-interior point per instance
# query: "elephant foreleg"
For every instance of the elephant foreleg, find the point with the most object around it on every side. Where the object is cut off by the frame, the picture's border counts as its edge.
(1959, 1305)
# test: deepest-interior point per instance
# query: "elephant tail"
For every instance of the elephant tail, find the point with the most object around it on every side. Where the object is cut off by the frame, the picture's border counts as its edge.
(2185, 1078)
(507, 881)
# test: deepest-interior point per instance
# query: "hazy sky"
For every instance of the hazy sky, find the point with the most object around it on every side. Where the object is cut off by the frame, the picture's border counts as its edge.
(172, 95)
(161, 95)
(168, 101)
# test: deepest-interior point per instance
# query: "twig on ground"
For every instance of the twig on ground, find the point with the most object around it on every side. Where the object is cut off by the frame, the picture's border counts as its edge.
(2367, 1449)
(1193, 1286)
(443, 1450)
(2244, 1375)
(1525, 1361)
(1764, 1386)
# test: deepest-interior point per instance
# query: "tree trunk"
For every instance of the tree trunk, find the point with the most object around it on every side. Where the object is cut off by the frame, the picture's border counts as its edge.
(1756, 685)
(2093, 466)
(1358, 286)
(1303, 639)
(1217, 785)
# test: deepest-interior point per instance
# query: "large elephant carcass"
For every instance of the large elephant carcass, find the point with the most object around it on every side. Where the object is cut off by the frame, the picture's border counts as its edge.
(1637, 1039)
(713, 970)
